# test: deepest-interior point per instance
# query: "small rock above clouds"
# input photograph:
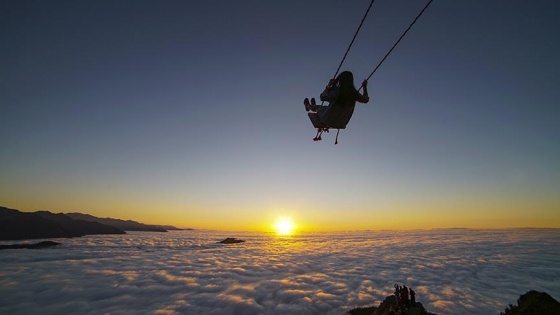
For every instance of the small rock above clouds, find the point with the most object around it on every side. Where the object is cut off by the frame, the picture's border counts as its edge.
(43, 244)
(231, 240)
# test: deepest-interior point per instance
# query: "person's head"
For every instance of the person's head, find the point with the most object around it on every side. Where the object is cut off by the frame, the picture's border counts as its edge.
(345, 79)
(347, 91)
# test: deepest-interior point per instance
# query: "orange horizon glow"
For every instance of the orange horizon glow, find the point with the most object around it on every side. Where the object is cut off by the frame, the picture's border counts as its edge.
(308, 220)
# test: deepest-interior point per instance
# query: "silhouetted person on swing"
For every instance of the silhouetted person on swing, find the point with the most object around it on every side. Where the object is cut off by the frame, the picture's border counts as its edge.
(342, 97)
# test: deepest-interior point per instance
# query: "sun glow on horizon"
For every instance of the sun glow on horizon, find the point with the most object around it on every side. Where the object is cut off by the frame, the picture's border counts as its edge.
(284, 226)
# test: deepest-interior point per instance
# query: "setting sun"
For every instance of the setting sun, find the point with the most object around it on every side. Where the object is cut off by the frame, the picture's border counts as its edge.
(284, 227)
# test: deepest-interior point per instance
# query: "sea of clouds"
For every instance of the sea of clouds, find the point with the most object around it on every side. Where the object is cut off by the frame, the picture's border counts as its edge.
(186, 272)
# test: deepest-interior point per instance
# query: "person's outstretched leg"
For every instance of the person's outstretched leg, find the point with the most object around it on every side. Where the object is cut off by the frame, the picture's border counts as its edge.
(306, 104)
(313, 106)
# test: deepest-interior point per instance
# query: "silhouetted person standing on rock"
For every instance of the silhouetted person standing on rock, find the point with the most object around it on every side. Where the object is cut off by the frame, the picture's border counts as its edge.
(405, 295)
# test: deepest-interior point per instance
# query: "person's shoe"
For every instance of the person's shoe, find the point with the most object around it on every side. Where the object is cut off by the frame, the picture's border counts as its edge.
(313, 104)
(306, 104)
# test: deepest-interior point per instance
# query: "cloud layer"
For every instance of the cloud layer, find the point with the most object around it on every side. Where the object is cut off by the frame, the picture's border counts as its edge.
(185, 272)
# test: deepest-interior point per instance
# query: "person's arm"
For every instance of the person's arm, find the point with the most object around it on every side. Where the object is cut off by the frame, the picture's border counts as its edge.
(364, 98)
(329, 92)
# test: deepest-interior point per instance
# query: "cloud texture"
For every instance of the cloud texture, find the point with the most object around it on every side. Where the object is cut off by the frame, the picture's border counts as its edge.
(185, 272)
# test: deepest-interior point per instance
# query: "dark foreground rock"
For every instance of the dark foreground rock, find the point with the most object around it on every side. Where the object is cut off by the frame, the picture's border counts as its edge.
(44, 244)
(403, 302)
(231, 240)
(390, 307)
(530, 303)
(534, 302)
(17, 225)
(363, 310)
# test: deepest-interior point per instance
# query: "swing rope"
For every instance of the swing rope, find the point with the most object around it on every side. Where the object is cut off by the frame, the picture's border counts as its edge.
(353, 38)
(398, 41)
(321, 130)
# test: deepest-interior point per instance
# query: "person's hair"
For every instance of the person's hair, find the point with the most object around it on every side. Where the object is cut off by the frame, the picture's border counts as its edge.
(347, 92)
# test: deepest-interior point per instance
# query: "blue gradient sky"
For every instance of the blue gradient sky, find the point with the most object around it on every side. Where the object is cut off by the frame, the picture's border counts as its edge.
(190, 113)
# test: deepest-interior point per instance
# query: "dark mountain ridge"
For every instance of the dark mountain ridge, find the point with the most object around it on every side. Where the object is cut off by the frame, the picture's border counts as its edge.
(17, 225)
(126, 225)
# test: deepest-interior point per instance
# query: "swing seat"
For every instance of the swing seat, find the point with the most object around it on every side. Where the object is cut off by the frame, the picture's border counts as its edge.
(317, 123)
(332, 116)
(325, 119)
(314, 117)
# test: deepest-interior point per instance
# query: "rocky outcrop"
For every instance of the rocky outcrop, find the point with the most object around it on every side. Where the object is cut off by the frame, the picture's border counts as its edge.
(402, 302)
(44, 244)
(534, 302)
(362, 311)
(17, 225)
(391, 306)
(231, 240)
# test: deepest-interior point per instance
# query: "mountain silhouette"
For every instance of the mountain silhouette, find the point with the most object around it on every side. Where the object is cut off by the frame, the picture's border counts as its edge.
(17, 225)
(126, 225)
